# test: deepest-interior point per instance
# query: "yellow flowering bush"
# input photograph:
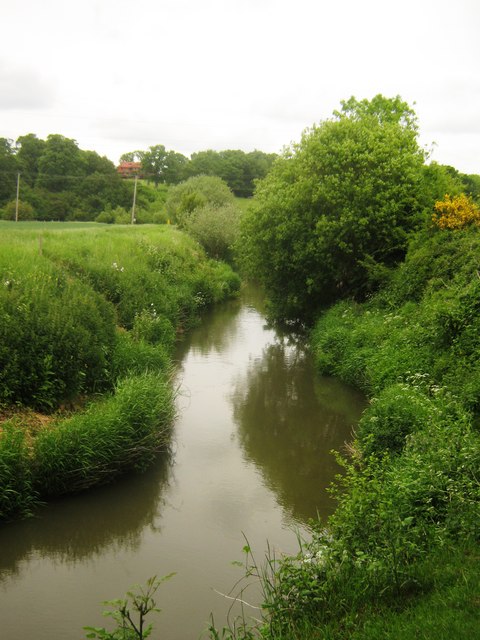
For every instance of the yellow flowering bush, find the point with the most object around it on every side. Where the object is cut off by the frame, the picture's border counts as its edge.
(456, 213)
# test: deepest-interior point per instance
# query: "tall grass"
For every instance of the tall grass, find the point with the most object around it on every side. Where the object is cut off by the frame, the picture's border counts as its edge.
(17, 496)
(124, 431)
(90, 314)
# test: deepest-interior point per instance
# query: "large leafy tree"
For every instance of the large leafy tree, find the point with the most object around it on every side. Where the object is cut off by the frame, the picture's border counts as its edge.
(61, 164)
(162, 166)
(29, 151)
(336, 209)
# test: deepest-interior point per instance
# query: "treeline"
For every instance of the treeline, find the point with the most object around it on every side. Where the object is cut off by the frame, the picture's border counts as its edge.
(238, 169)
(59, 181)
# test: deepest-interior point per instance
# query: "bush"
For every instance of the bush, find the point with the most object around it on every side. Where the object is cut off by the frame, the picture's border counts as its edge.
(56, 337)
(25, 210)
(397, 412)
(216, 229)
(456, 213)
(194, 193)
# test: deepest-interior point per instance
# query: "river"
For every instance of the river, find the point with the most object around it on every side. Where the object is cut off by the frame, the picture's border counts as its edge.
(251, 461)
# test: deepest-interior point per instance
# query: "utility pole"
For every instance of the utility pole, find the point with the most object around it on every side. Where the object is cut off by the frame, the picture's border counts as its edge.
(134, 200)
(18, 193)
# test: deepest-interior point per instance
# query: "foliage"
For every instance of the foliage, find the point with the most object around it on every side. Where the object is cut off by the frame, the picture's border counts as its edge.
(216, 229)
(25, 210)
(162, 166)
(130, 612)
(336, 209)
(408, 502)
(8, 171)
(195, 193)
(63, 294)
(56, 334)
(238, 169)
(124, 431)
(59, 180)
(456, 213)
(16, 497)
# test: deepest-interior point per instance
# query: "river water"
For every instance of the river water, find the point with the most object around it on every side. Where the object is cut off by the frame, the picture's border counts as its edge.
(250, 462)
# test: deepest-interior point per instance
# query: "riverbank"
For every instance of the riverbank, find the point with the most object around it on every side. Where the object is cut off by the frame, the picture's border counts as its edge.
(88, 320)
(400, 556)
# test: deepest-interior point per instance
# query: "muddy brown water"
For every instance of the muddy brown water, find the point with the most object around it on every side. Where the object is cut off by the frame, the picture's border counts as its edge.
(251, 462)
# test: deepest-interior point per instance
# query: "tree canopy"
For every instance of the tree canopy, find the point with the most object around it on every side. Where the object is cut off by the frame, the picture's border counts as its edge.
(194, 193)
(58, 179)
(336, 209)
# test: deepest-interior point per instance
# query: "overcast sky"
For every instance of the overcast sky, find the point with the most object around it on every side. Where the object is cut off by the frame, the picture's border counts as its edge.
(120, 75)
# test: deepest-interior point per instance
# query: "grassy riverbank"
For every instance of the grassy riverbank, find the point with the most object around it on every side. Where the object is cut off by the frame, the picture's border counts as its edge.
(399, 558)
(88, 319)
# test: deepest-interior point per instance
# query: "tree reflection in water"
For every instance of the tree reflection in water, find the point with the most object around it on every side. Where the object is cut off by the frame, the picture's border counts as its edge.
(288, 421)
(81, 527)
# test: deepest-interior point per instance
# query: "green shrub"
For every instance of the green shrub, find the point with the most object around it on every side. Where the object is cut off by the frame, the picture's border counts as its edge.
(216, 228)
(195, 193)
(125, 431)
(397, 412)
(153, 328)
(56, 335)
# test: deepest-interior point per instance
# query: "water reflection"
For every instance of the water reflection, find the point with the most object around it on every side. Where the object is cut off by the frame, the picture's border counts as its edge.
(216, 331)
(81, 527)
(288, 422)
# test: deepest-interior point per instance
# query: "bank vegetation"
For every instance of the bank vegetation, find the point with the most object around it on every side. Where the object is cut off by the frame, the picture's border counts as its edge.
(88, 319)
(375, 252)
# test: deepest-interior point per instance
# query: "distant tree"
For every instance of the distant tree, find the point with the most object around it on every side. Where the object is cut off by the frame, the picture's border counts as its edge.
(238, 169)
(95, 163)
(199, 191)
(29, 151)
(8, 170)
(175, 170)
(154, 163)
(336, 209)
(161, 166)
(60, 164)
(204, 163)
(132, 156)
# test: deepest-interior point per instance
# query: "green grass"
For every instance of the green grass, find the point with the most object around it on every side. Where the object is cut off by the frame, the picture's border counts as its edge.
(8, 225)
(87, 313)
(243, 203)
